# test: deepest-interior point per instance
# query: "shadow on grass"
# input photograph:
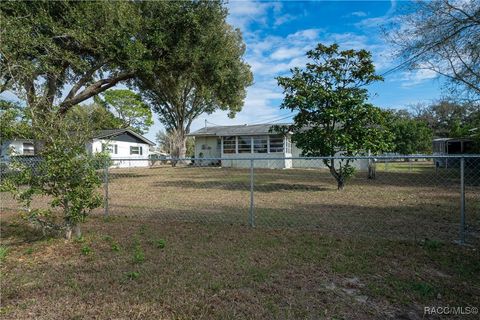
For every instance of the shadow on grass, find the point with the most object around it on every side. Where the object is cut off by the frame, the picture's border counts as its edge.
(240, 185)
(126, 175)
(308, 180)
(19, 232)
(439, 220)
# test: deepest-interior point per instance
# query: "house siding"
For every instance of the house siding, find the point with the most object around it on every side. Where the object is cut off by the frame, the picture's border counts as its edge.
(203, 142)
(361, 164)
(123, 158)
(206, 147)
(13, 145)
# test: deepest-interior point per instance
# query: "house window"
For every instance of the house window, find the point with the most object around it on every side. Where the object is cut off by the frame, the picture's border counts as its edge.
(110, 148)
(28, 149)
(276, 143)
(229, 144)
(260, 144)
(244, 144)
(136, 150)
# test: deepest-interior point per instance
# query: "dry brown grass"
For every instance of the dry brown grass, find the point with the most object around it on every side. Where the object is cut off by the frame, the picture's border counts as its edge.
(397, 205)
(366, 256)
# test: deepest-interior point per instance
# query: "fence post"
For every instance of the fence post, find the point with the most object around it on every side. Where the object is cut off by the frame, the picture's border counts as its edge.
(251, 217)
(105, 186)
(462, 200)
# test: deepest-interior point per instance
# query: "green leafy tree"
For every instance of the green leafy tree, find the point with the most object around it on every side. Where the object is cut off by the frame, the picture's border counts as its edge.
(333, 116)
(449, 119)
(80, 47)
(410, 135)
(129, 108)
(13, 121)
(201, 71)
(65, 173)
(94, 116)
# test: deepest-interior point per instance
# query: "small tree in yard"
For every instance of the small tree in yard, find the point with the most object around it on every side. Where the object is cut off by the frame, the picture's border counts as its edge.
(65, 173)
(333, 115)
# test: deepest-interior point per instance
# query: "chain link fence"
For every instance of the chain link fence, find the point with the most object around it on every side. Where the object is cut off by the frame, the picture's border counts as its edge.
(398, 198)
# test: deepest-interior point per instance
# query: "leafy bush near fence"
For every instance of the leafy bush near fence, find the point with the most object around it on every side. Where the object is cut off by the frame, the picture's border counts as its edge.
(64, 172)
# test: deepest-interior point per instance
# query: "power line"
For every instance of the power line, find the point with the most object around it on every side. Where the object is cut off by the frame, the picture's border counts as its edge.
(273, 119)
(212, 123)
(276, 120)
(438, 43)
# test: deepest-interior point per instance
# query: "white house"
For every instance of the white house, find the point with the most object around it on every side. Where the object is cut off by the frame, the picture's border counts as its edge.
(126, 147)
(250, 142)
(24, 147)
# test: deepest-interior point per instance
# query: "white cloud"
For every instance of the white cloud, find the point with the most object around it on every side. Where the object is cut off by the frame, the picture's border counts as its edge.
(286, 53)
(307, 34)
(258, 108)
(416, 77)
(376, 22)
(243, 13)
(358, 14)
(282, 19)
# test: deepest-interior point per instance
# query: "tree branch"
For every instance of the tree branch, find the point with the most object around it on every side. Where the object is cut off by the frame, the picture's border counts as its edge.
(94, 89)
(83, 80)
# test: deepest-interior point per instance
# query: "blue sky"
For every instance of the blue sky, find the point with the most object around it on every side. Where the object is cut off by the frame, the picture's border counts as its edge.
(277, 35)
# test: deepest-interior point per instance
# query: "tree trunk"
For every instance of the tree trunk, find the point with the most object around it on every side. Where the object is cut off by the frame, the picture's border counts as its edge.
(72, 229)
(372, 174)
(68, 232)
(338, 177)
(182, 147)
(77, 231)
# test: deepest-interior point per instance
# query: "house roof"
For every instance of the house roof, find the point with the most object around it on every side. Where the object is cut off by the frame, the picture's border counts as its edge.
(238, 130)
(108, 133)
(452, 139)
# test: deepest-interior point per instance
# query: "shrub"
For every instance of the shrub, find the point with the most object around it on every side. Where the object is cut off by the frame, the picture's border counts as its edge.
(86, 250)
(3, 253)
(132, 275)
(161, 243)
(65, 172)
(138, 254)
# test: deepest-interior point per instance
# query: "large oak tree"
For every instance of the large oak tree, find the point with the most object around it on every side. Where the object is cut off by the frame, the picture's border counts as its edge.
(57, 54)
(202, 70)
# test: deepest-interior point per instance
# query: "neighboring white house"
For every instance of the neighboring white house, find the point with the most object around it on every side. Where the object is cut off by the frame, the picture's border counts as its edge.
(126, 147)
(252, 141)
(24, 147)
